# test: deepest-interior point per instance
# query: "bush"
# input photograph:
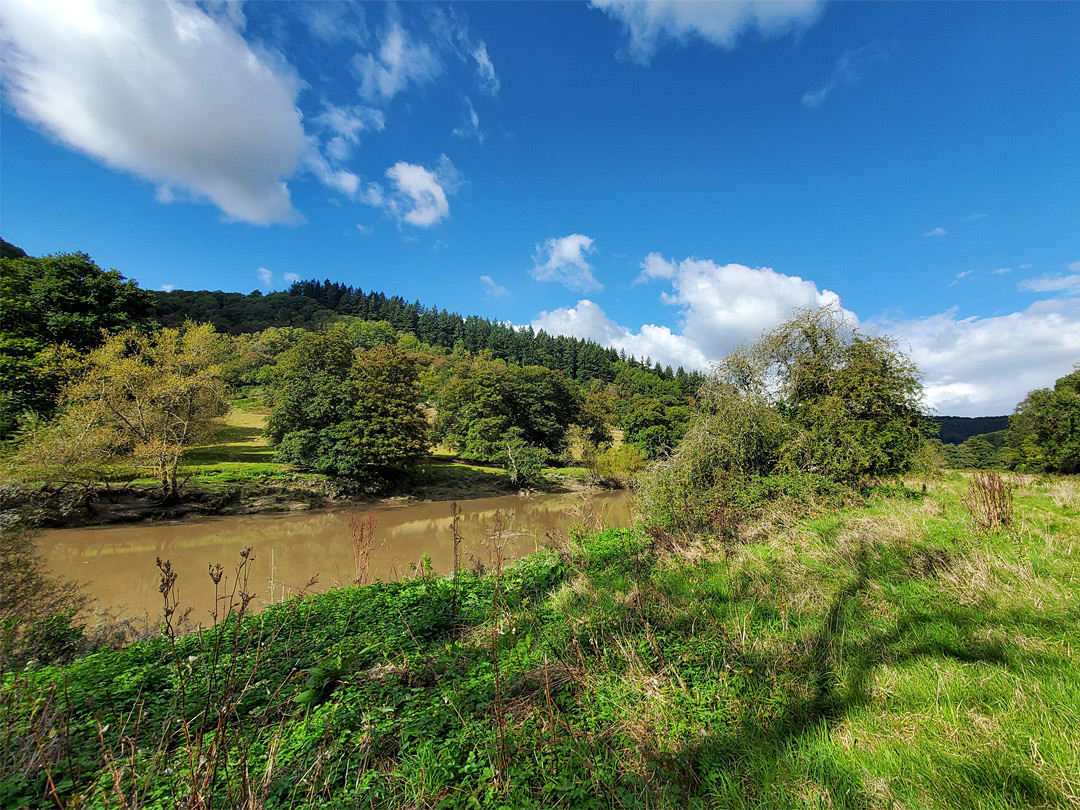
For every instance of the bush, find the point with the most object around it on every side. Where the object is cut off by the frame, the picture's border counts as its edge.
(38, 613)
(524, 463)
(801, 415)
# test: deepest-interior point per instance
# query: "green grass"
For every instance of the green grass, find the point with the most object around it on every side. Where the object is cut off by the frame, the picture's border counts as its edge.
(885, 656)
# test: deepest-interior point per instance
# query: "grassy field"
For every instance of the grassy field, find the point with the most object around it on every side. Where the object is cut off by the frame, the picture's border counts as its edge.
(240, 455)
(894, 655)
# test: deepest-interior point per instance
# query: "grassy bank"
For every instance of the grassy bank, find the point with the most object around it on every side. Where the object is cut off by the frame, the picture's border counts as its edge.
(889, 655)
(238, 474)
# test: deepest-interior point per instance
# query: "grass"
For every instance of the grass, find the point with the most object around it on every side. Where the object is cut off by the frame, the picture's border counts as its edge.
(890, 655)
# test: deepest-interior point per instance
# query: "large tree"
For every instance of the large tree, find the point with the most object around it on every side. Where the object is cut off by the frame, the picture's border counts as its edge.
(486, 403)
(50, 302)
(1044, 432)
(139, 400)
(813, 400)
(345, 414)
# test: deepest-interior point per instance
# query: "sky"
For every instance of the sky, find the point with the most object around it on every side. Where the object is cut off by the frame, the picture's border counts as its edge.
(668, 178)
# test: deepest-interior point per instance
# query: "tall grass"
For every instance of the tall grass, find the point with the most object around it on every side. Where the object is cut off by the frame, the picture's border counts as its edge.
(883, 655)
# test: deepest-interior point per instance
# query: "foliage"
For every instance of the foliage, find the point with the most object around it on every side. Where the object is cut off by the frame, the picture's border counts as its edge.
(339, 414)
(141, 400)
(616, 466)
(52, 301)
(813, 397)
(883, 656)
(1044, 433)
(38, 613)
(524, 463)
(485, 403)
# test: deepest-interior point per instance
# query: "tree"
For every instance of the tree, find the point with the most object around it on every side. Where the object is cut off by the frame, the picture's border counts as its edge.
(346, 416)
(392, 428)
(1044, 432)
(485, 403)
(813, 400)
(147, 398)
(53, 301)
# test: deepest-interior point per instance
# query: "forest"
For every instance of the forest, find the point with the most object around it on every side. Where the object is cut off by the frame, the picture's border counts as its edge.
(820, 603)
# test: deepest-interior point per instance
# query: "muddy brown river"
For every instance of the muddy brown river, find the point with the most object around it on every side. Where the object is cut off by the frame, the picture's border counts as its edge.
(117, 563)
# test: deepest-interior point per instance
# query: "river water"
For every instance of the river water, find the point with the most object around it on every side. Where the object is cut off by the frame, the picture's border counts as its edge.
(118, 563)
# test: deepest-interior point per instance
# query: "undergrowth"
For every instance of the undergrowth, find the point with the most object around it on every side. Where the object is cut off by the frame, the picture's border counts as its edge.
(876, 654)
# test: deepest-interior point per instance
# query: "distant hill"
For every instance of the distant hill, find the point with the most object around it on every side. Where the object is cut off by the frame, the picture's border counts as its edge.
(955, 429)
(10, 251)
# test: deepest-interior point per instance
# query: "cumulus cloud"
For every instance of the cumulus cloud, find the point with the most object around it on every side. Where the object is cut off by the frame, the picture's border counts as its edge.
(845, 73)
(982, 366)
(563, 260)
(265, 276)
(723, 305)
(589, 321)
(493, 289)
(650, 24)
(485, 70)
(162, 90)
(168, 287)
(291, 278)
(418, 195)
(471, 126)
(936, 232)
(401, 61)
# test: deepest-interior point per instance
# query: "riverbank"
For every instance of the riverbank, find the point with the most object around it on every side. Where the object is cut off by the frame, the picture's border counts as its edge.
(213, 494)
(891, 654)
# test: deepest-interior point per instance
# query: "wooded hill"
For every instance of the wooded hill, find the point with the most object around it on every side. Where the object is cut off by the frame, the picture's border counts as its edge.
(312, 304)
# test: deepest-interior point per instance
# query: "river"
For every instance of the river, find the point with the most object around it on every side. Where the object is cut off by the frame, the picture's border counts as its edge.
(118, 563)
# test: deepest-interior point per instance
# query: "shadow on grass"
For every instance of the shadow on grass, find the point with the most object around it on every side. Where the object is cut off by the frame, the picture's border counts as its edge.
(738, 765)
(233, 444)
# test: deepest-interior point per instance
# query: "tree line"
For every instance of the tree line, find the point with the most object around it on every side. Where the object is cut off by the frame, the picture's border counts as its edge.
(361, 383)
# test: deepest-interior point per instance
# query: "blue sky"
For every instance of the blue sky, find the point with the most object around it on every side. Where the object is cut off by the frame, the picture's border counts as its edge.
(668, 178)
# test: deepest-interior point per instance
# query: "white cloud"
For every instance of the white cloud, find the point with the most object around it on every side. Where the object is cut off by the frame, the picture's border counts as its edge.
(846, 72)
(562, 259)
(1070, 285)
(419, 195)
(936, 232)
(652, 23)
(344, 126)
(401, 62)
(471, 127)
(366, 230)
(162, 90)
(1001, 271)
(723, 305)
(265, 276)
(493, 289)
(1026, 266)
(974, 217)
(588, 321)
(168, 287)
(291, 278)
(485, 70)
(982, 366)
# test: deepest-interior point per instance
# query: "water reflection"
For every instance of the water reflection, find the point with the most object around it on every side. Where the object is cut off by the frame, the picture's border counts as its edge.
(118, 562)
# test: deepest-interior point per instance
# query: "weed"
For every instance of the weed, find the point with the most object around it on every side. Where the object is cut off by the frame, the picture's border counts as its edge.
(989, 500)
(362, 534)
